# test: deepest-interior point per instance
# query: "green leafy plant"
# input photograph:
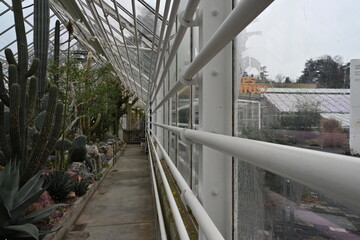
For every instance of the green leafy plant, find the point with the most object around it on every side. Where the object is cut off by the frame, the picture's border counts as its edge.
(105, 165)
(97, 176)
(80, 187)
(15, 200)
(59, 185)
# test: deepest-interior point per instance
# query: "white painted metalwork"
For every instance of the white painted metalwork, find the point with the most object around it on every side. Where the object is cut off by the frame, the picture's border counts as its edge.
(174, 9)
(331, 174)
(244, 13)
(137, 44)
(355, 106)
(208, 227)
(187, 17)
(160, 43)
(175, 211)
(157, 199)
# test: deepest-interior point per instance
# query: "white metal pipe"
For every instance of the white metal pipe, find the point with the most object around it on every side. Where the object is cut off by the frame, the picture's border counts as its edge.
(162, 31)
(177, 87)
(169, 28)
(188, 15)
(334, 175)
(207, 226)
(157, 200)
(137, 45)
(242, 15)
(174, 209)
(153, 44)
(126, 48)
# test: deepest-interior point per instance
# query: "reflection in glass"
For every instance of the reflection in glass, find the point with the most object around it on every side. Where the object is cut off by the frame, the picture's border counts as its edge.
(295, 57)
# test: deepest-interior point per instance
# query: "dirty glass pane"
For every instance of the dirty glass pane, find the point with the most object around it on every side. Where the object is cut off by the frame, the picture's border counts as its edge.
(294, 89)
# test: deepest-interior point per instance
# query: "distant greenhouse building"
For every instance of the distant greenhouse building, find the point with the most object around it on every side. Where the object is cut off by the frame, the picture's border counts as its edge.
(270, 110)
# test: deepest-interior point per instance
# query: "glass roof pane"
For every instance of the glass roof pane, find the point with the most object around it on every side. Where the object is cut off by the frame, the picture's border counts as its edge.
(126, 4)
(5, 23)
(147, 19)
(28, 10)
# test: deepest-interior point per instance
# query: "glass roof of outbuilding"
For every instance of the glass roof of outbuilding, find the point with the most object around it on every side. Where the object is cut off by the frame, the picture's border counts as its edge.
(328, 100)
(105, 27)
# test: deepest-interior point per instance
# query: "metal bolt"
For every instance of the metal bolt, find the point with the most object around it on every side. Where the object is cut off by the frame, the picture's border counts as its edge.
(215, 192)
(214, 13)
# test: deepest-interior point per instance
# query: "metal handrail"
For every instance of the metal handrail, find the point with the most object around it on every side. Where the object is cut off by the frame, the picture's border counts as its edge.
(174, 209)
(157, 200)
(207, 226)
(337, 176)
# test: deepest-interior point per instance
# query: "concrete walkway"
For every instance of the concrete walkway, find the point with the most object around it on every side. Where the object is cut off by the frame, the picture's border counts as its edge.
(122, 207)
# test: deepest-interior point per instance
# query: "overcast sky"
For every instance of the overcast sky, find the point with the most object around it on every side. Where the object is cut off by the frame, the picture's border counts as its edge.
(296, 30)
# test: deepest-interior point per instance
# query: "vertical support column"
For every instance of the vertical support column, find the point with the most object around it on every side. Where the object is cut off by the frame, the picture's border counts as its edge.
(355, 106)
(215, 168)
(160, 118)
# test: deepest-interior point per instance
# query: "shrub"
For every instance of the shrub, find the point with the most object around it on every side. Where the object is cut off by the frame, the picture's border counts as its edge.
(314, 142)
(330, 125)
(105, 165)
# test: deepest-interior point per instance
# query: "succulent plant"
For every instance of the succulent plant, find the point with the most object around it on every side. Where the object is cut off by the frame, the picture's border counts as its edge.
(79, 141)
(63, 145)
(20, 97)
(41, 40)
(80, 187)
(15, 200)
(59, 185)
(78, 154)
(57, 48)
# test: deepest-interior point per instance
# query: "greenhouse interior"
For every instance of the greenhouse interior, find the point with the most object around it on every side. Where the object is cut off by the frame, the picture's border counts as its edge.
(179, 119)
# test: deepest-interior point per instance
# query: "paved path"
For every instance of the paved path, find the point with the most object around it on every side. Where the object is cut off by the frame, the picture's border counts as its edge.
(122, 207)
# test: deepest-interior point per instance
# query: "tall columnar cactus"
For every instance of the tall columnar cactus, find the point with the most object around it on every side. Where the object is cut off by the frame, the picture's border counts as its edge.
(41, 40)
(85, 121)
(56, 48)
(21, 100)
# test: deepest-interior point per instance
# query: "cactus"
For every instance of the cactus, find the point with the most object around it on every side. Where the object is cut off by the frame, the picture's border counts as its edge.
(39, 121)
(79, 141)
(87, 127)
(85, 122)
(57, 48)
(78, 154)
(31, 152)
(63, 145)
(41, 40)
(77, 150)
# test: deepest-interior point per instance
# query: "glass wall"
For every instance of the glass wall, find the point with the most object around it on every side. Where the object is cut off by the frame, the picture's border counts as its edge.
(292, 75)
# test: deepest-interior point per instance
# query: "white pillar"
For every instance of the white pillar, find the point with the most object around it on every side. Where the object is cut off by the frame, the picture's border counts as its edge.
(215, 168)
(355, 106)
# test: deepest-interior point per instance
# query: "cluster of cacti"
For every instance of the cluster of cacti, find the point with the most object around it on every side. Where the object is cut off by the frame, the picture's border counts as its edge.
(31, 153)
(77, 149)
